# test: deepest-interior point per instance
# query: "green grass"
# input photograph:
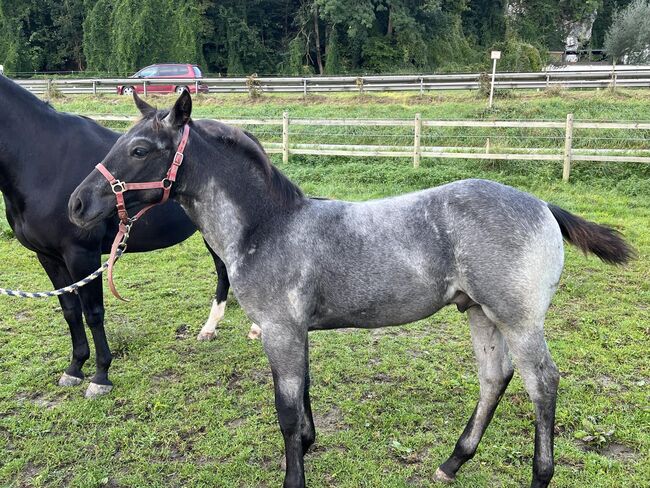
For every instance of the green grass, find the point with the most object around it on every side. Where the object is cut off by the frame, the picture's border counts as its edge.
(389, 404)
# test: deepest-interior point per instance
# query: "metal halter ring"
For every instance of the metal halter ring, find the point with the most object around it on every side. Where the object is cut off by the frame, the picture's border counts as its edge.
(118, 187)
(166, 183)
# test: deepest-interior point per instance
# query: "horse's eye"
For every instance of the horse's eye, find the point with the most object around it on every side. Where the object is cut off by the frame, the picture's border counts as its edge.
(139, 152)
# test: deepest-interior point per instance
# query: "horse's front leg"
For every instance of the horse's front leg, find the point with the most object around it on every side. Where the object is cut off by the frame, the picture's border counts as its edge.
(286, 348)
(80, 264)
(71, 307)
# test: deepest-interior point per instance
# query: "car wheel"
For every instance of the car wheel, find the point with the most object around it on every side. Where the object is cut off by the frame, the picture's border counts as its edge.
(128, 90)
(180, 89)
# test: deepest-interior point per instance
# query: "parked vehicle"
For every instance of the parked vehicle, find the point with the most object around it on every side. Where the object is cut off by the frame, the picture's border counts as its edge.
(190, 72)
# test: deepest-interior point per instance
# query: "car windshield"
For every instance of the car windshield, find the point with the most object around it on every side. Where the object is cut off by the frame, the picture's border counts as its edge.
(147, 72)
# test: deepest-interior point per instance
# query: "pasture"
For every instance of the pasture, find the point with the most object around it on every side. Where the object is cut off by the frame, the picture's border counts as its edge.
(389, 404)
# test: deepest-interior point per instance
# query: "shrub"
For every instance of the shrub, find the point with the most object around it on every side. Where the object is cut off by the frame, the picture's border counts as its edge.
(518, 55)
(628, 37)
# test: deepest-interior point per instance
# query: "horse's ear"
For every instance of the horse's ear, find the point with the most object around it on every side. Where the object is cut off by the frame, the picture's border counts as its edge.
(181, 112)
(145, 109)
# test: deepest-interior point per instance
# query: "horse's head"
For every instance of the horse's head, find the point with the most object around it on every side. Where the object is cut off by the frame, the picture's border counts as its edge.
(143, 154)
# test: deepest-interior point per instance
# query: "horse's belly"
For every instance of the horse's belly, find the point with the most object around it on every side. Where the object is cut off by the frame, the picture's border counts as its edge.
(394, 307)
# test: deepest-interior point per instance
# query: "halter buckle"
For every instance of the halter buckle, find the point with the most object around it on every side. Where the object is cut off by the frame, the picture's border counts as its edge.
(178, 158)
(118, 186)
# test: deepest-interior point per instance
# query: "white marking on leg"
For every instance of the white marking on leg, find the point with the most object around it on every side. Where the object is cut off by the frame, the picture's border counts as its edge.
(290, 387)
(216, 314)
(255, 332)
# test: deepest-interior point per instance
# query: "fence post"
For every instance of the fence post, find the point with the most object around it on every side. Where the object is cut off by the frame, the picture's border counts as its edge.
(144, 85)
(304, 87)
(285, 137)
(421, 86)
(94, 87)
(568, 148)
(48, 93)
(417, 148)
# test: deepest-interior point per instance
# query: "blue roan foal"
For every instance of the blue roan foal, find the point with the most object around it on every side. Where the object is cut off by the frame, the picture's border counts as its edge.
(298, 264)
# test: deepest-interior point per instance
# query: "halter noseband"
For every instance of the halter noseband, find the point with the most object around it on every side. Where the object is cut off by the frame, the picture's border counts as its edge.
(120, 187)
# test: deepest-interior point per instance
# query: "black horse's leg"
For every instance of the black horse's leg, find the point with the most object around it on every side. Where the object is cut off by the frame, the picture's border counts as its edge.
(81, 263)
(71, 308)
(219, 303)
(494, 372)
(285, 348)
(308, 435)
(220, 297)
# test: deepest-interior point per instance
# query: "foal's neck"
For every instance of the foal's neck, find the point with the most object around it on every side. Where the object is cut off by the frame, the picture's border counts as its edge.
(226, 193)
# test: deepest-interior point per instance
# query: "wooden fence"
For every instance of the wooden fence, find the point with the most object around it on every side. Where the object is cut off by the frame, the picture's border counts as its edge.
(566, 154)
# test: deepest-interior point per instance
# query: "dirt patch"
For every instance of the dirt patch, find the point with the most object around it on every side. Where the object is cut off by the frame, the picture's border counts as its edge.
(167, 376)
(417, 354)
(235, 423)
(39, 400)
(620, 452)
(382, 378)
(260, 376)
(612, 450)
(182, 332)
(608, 382)
(330, 421)
(23, 316)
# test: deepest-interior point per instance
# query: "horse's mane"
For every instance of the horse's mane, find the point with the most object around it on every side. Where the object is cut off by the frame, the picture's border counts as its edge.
(285, 191)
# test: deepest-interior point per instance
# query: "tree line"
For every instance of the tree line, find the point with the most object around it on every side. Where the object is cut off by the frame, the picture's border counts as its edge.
(293, 37)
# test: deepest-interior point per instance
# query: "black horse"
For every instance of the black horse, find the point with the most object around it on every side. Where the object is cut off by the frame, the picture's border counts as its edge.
(44, 155)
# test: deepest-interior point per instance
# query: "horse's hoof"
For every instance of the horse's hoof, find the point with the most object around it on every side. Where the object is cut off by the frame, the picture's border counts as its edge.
(69, 380)
(94, 390)
(205, 336)
(255, 332)
(443, 477)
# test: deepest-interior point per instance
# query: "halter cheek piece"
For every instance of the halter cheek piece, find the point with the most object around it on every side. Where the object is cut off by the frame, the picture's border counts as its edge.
(120, 187)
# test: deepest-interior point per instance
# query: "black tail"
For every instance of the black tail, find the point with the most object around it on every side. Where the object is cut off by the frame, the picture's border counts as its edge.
(604, 242)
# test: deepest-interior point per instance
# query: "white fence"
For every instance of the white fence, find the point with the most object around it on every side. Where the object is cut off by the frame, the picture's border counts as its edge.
(638, 77)
(565, 151)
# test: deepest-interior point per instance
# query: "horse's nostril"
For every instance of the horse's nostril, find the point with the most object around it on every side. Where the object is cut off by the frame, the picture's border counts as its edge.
(77, 207)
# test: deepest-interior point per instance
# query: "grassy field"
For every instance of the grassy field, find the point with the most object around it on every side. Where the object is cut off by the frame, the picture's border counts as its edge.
(389, 404)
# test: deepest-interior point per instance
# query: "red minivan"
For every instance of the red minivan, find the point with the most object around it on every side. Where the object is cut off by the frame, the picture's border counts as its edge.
(157, 71)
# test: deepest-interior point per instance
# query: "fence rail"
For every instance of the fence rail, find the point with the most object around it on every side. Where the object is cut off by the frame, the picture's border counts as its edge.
(567, 154)
(638, 77)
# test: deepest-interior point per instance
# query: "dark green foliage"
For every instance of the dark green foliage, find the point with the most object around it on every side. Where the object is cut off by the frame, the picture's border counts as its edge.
(518, 56)
(298, 37)
(629, 34)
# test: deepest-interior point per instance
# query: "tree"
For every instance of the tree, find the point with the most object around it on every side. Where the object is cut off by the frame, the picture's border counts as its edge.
(629, 35)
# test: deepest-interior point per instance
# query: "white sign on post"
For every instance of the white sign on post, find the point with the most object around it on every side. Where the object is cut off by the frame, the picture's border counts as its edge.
(495, 55)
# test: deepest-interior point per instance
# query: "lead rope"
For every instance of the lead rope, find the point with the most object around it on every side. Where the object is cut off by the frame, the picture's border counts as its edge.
(74, 286)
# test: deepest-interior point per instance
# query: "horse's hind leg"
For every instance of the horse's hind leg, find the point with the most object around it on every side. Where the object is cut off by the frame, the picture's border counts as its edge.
(541, 378)
(219, 302)
(494, 371)
(71, 307)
